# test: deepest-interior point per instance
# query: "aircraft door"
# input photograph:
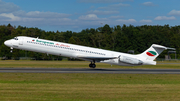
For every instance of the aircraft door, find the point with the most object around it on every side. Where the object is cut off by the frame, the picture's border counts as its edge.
(21, 41)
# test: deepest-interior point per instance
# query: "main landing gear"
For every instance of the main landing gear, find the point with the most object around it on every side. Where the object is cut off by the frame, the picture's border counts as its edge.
(92, 65)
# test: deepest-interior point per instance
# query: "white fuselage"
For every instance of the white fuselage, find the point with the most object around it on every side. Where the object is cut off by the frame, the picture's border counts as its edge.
(74, 51)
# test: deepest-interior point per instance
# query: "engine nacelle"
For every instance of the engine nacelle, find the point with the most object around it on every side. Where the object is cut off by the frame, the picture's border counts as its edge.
(130, 60)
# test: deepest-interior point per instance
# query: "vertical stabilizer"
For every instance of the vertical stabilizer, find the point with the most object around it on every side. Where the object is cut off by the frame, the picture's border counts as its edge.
(153, 52)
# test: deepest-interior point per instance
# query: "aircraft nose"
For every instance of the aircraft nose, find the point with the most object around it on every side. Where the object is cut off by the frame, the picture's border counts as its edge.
(7, 43)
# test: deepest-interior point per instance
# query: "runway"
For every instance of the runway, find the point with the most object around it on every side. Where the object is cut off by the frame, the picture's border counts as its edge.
(89, 70)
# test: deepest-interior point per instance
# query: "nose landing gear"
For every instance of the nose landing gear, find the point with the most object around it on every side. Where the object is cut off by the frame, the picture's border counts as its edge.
(11, 50)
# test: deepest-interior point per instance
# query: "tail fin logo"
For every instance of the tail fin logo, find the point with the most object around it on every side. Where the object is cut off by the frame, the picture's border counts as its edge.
(151, 53)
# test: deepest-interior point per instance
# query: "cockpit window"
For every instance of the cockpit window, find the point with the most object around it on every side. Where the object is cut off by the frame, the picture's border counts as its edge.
(15, 38)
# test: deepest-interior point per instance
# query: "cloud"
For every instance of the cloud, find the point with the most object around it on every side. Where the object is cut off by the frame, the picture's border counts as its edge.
(116, 17)
(36, 18)
(165, 18)
(10, 17)
(98, 12)
(148, 4)
(119, 5)
(174, 12)
(115, 6)
(102, 1)
(6, 7)
(127, 21)
(38, 14)
(89, 17)
(145, 21)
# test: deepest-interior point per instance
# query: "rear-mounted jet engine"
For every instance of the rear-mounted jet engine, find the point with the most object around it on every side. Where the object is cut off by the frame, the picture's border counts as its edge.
(130, 60)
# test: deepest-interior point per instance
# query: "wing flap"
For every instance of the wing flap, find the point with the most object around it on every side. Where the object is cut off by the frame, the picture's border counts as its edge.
(96, 58)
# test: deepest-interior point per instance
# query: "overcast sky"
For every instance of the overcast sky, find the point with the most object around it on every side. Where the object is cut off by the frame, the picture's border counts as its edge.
(76, 15)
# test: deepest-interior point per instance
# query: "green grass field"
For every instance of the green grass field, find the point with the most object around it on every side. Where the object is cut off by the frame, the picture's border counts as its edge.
(78, 64)
(105, 87)
(86, 87)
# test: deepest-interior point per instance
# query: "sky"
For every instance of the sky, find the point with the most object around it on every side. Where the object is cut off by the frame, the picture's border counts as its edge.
(76, 15)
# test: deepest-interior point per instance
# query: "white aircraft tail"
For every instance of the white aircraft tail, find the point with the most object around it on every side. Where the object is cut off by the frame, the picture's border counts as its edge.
(153, 52)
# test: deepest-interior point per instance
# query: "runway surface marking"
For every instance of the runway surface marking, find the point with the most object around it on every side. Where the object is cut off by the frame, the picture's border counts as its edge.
(88, 70)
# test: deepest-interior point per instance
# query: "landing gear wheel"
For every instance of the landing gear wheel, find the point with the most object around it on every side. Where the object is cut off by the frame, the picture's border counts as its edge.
(92, 65)
(11, 50)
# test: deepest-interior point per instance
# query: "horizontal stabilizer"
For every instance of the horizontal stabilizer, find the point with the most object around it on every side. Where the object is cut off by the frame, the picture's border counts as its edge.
(171, 48)
(163, 47)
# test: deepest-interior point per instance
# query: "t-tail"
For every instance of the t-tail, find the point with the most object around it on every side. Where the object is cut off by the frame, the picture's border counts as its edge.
(152, 53)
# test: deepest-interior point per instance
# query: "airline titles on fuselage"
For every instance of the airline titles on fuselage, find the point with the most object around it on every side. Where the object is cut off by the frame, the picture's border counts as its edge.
(59, 45)
(62, 45)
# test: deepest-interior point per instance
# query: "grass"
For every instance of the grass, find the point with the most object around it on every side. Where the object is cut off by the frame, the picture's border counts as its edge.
(89, 87)
(86, 87)
(78, 64)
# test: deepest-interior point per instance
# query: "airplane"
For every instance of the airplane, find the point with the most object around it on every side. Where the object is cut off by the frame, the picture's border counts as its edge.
(86, 53)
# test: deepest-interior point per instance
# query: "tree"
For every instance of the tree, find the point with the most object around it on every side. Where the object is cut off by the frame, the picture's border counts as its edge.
(118, 38)
(71, 40)
(106, 29)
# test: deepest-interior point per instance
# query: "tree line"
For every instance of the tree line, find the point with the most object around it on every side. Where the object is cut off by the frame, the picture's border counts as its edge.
(117, 38)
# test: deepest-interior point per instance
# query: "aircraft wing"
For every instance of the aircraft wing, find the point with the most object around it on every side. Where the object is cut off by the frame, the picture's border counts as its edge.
(96, 58)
